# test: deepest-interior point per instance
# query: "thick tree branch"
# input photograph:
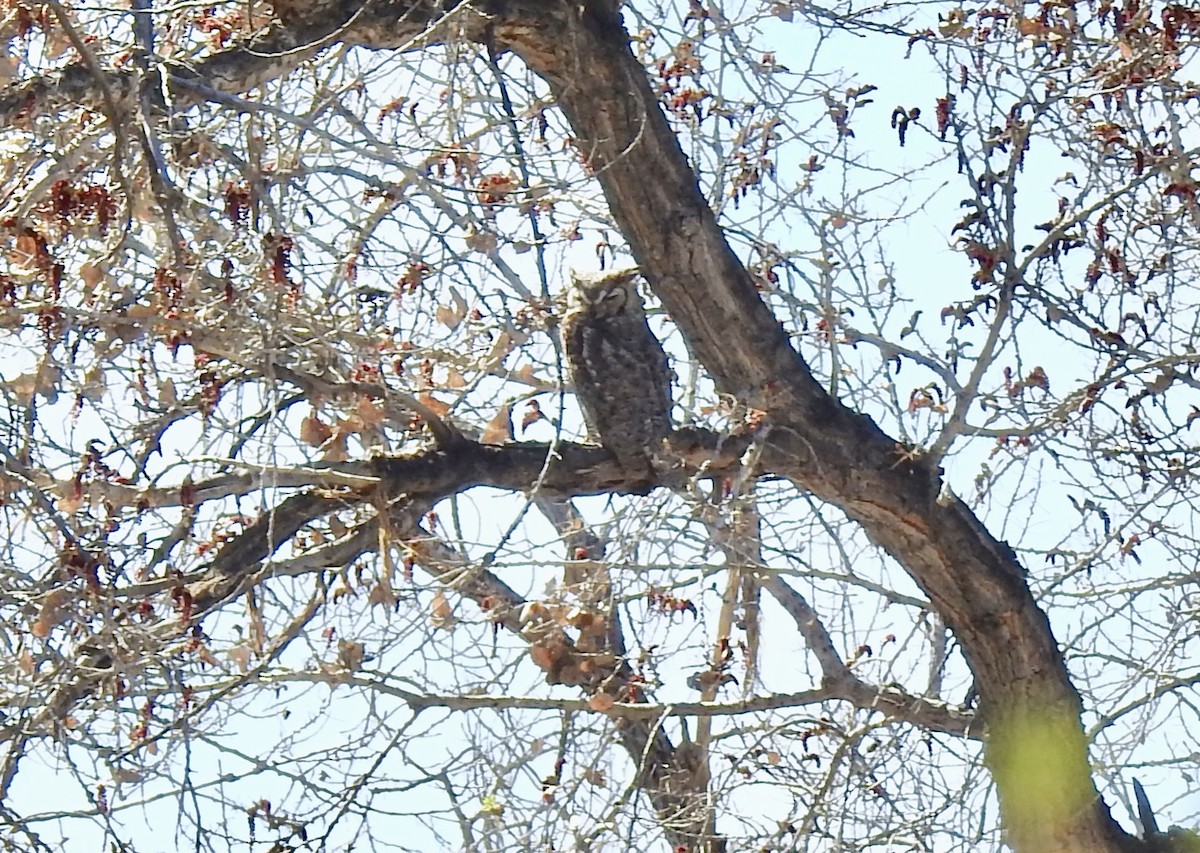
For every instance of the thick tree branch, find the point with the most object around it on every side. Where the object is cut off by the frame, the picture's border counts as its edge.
(976, 582)
(928, 716)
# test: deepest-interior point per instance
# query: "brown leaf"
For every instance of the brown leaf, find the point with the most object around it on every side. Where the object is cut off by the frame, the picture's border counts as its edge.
(371, 412)
(542, 656)
(91, 274)
(239, 655)
(499, 428)
(533, 611)
(382, 593)
(54, 612)
(434, 404)
(602, 703)
(27, 385)
(124, 774)
(24, 386)
(595, 777)
(453, 314)
(70, 504)
(26, 253)
(954, 26)
(441, 614)
(94, 384)
(336, 450)
(484, 242)
(167, 395)
(257, 626)
(314, 432)
(350, 655)
(533, 414)
(1030, 26)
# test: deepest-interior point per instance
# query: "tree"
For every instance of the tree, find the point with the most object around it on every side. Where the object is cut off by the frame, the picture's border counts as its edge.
(302, 526)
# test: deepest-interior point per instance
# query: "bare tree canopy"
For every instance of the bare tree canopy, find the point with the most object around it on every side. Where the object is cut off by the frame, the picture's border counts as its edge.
(845, 503)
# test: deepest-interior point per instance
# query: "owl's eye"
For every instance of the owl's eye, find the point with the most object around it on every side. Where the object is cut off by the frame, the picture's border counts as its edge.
(614, 294)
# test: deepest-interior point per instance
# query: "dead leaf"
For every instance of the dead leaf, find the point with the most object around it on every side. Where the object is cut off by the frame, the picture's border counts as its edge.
(26, 252)
(54, 611)
(441, 614)
(257, 627)
(595, 777)
(382, 593)
(454, 379)
(525, 374)
(484, 242)
(314, 432)
(239, 656)
(91, 274)
(954, 25)
(1161, 382)
(533, 611)
(350, 655)
(70, 504)
(602, 703)
(434, 404)
(533, 414)
(542, 657)
(124, 774)
(45, 382)
(371, 412)
(1030, 26)
(336, 450)
(452, 315)
(582, 619)
(94, 384)
(499, 428)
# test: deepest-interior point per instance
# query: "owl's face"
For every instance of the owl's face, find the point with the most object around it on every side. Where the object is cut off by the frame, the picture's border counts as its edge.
(611, 295)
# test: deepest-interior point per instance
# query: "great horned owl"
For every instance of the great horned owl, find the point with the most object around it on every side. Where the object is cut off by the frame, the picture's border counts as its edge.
(619, 369)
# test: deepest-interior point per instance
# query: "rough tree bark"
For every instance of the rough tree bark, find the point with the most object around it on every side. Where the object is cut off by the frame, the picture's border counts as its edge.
(1035, 742)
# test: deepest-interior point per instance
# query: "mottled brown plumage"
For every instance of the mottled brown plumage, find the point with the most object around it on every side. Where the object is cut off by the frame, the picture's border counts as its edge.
(619, 369)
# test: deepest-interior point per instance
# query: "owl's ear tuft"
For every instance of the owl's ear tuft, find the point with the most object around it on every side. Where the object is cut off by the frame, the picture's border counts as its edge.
(604, 278)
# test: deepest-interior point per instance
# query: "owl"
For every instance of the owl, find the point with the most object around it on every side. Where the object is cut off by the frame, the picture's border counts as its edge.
(619, 369)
